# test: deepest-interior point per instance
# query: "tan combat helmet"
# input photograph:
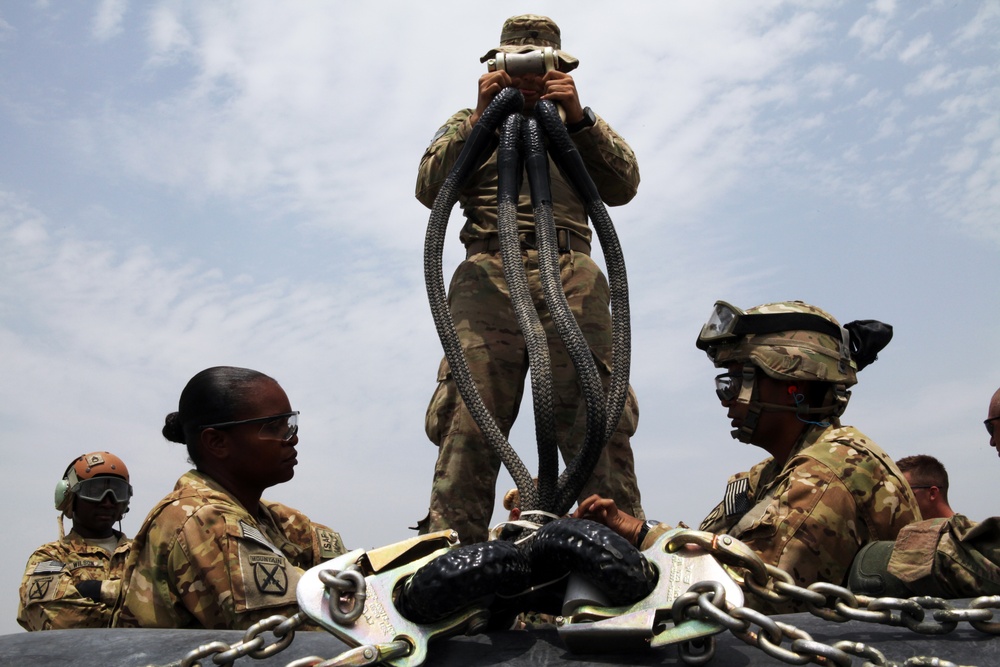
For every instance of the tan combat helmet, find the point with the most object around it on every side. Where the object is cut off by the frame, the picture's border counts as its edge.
(791, 340)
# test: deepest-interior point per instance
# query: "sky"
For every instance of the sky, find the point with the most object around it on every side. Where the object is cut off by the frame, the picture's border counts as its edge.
(191, 184)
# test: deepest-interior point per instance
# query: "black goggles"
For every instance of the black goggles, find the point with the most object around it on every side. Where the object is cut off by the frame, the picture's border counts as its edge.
(989, 424)
(727, 324)
(96, 488)
(728, 385)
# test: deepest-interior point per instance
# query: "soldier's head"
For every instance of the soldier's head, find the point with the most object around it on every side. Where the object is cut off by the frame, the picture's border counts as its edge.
(992, 421)
(531, 33)
(236, 423)
(928, 479)
(94, 492)
(787, 359)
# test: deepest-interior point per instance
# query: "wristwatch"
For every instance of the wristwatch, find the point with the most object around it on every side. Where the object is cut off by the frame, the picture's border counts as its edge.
(644, 531)
(589, 120)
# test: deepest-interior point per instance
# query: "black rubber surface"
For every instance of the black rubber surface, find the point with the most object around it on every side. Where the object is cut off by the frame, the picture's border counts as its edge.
(138, 648)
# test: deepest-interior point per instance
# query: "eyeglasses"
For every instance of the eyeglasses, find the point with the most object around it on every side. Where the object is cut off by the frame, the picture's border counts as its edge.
(95, 488)
(989, 424)
(727, 385)
(276, 427)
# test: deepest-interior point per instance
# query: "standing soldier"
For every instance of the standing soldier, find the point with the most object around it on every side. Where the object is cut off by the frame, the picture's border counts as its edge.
(464, 486)
(74, 582)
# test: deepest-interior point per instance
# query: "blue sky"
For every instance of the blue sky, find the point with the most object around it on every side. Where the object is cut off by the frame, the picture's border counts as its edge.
(187, 184)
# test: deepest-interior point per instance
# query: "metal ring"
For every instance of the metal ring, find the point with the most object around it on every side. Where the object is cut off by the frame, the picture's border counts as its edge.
(356, 589)
(270, 623)
(986, 602)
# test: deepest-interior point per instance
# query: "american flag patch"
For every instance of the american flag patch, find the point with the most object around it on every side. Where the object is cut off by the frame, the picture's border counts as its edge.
(737, 501)
(251, 533)
(48, 567)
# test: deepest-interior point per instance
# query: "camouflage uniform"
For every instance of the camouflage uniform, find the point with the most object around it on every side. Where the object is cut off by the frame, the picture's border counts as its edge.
(462, 494)
(837, 491)
(948, 558)
(49, 598)
(201, 560)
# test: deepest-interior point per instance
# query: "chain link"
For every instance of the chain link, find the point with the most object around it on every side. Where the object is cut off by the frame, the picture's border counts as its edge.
(348, 591)
(923, 614)
(703, 601)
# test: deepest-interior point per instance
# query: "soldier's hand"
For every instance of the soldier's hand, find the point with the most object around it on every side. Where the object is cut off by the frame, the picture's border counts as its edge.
(604, 510)
(560, 88)
(490, 84)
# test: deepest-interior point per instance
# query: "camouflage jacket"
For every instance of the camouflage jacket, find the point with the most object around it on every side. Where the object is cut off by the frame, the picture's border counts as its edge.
(949, 558)
(809, 517)
(200, 560)
(49, 598)
(610, 162)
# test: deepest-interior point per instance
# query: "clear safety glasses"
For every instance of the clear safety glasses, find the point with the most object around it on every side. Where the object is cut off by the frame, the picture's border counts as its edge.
(275, 427)
(95, 488)
(727, 385)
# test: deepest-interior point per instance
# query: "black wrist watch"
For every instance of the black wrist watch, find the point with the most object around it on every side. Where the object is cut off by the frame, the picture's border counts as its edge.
(644, 531)
(589, 120)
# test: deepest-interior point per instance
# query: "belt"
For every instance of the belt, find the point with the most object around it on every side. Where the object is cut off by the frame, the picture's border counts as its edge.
(566, 240)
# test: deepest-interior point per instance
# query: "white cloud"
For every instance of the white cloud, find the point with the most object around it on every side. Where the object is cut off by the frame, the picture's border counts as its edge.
(916, 48)
(108, 19)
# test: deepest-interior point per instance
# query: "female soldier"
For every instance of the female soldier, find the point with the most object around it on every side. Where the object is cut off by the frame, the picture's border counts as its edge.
(212, 554)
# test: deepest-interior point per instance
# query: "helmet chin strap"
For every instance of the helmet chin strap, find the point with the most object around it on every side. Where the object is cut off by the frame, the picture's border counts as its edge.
(748, 396)
(837, 399)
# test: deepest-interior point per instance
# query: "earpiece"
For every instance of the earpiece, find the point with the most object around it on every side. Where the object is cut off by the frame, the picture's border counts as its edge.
(62, 486)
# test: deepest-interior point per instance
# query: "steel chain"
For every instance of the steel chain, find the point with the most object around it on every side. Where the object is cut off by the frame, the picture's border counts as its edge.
(349, 584)
(347, 592)
(921, 614)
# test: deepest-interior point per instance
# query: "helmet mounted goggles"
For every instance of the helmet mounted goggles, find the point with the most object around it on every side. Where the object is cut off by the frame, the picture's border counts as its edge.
(96, 489)
(728, 324)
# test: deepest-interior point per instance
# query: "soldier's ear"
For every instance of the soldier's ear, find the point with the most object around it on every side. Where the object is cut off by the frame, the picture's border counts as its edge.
(214, 443)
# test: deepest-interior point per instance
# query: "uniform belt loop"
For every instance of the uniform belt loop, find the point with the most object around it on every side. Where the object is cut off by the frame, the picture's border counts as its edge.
(562, 239)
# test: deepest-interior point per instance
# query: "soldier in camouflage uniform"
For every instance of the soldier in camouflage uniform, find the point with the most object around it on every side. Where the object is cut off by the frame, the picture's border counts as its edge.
(74, 582)
(928, 480)
(212, 553)
(951, 557)
(827, 489)
(462, 494)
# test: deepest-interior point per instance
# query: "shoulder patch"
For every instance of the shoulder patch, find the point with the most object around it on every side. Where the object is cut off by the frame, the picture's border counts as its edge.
(329, 546)
(254, 535)
(48, 567)
(440, 133)
(737, 501)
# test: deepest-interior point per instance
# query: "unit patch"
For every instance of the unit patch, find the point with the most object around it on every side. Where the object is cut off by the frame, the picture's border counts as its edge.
(39, 588)
(269, 574)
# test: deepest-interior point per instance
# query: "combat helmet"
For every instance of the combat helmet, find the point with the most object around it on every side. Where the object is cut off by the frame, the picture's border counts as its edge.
(791, 341)
(91, 477)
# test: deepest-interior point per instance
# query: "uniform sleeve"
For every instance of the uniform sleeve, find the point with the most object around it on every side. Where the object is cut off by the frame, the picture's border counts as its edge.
(49, 599)
(610, 162)
(808, 527)
(235, 577)
(952, 558)
(440, 156)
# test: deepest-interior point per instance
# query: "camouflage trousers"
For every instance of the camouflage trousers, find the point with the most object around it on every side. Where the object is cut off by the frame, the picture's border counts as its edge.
(464, 487)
